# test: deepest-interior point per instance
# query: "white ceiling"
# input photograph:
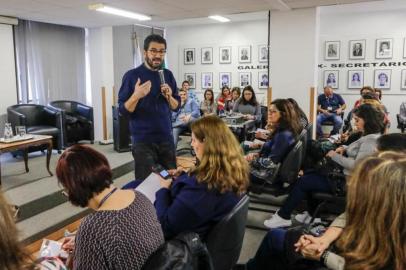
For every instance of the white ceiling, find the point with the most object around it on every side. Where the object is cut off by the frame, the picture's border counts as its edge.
(163, 12)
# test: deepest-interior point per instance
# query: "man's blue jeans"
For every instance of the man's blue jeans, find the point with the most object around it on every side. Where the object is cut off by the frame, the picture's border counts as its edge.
(336, 119)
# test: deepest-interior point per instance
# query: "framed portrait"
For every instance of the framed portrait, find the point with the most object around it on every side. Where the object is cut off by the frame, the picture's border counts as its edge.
(331, 78)
(225, 55)
(382, 78)
(332, 50)
(189, 56)
(244, 79)
(403, 79)
(357, 49)
(404, 48)
(225, 79)
(207, 55)
(207, 80)
(244, 54)
(355, 79)
(384, 48)
(191, 78)
(262, 53)
(263, 79)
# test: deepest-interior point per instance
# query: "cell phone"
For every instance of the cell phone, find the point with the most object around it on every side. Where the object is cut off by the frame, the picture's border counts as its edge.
(158, 169)
(165, 174)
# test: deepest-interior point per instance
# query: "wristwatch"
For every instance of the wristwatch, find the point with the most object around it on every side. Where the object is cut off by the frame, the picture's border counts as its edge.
(324, 256)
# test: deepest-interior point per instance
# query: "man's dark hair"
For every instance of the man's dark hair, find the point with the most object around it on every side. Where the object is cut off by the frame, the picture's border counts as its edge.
(373, 117)
(84, 173)
(153, 38)
(186, 81)
(392, 142)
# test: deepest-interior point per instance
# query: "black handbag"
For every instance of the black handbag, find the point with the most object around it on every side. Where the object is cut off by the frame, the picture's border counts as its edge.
(265, 169)
(184, 252)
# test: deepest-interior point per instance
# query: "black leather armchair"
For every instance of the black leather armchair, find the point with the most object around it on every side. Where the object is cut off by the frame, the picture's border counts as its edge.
(38, 119)
(77, 121)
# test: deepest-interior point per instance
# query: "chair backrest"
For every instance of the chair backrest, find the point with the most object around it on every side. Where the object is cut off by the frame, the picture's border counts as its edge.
(290, 167)
(62, 104)
(224, 241)
(303, 138)
(309, 129)
(34, 113)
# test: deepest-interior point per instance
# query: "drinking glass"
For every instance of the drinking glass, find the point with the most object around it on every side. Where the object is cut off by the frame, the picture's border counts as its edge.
(8, 131)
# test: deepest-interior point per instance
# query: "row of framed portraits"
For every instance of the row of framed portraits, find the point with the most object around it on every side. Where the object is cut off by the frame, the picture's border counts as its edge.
(244, 79)
(357, 49)
(355, 80)
(225, 53)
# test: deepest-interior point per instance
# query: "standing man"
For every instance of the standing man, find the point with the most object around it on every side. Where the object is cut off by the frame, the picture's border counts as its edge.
(330, 107)
(148, 104)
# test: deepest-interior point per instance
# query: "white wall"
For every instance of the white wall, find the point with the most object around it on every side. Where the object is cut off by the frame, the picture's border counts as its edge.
(233, 34)
(102, 74)
(8, 88)
(372, 25)
(293, 54)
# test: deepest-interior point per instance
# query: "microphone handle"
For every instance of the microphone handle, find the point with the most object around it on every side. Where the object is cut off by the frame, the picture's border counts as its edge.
(161, 76)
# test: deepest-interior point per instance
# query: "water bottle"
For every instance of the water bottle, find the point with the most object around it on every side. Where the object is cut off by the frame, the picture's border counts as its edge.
(8, 131)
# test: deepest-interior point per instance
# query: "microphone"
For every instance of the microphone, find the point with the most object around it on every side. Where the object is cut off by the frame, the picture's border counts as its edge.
(161, 76)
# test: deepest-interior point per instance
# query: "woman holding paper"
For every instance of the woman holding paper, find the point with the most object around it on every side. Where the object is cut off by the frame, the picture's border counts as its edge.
(198, 200)
(123, 231)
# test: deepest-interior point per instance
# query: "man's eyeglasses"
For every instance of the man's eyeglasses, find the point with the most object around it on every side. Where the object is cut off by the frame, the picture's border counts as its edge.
(155, 52)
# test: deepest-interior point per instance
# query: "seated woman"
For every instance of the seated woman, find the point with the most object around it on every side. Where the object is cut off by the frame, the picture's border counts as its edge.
(123, 231)
(13, 256)
(285, 127)
(222, 99)
(208, 106)
(198, 200)
(373, 192)
(370, 121)
(188, 112)
(248, 105)
(235, 95)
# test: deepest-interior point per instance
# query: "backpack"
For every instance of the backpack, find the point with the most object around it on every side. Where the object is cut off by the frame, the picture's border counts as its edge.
(184, 252)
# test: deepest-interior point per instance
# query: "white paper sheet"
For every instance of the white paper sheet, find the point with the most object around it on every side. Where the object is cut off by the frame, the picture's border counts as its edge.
(150, 186)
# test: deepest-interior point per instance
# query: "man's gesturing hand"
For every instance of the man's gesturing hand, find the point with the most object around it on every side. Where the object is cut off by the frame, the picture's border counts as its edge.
(141, 90)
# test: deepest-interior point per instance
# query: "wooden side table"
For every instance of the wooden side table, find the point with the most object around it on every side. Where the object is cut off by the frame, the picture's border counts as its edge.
(37, 140)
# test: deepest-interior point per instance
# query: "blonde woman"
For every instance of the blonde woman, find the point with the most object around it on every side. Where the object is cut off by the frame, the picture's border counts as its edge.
(369, 235)
(13, 256)
(374, 237)
(198, 200)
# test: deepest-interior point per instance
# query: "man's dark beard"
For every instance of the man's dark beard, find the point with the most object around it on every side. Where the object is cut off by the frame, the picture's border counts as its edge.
(151, 65)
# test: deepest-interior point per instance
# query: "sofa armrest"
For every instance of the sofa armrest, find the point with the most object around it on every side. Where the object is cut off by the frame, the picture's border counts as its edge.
(16, 118)
(54, 117)
(85, 111)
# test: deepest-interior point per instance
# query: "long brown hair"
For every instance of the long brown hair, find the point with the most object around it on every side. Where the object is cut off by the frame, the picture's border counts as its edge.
(289, 118)
(12, 254)
(375, 235)
(212, 95)
(222, 165)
